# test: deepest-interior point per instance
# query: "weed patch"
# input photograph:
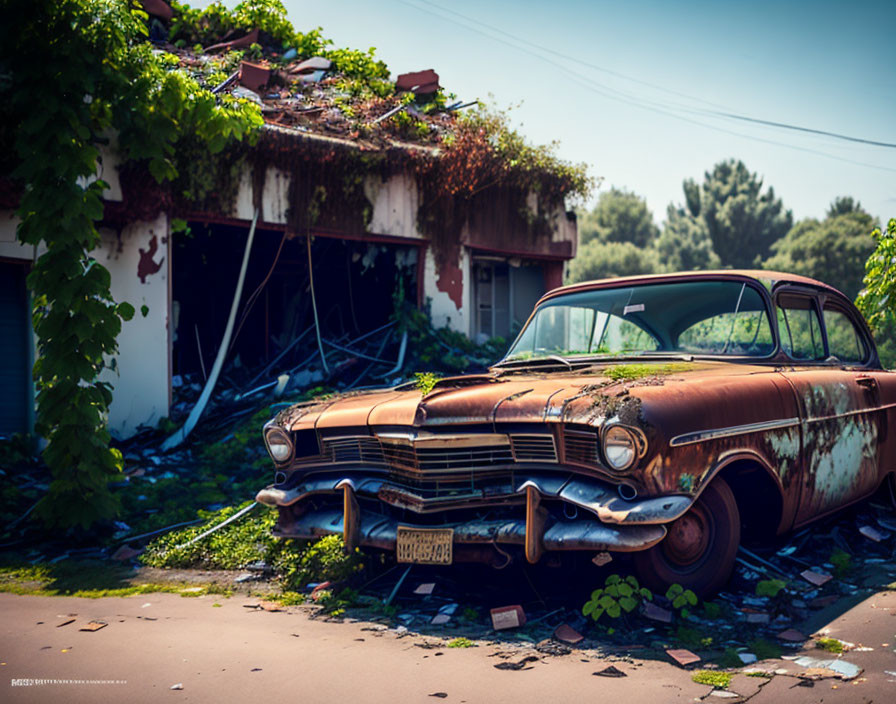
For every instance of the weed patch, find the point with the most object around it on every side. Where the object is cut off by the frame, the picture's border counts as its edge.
(831, 645)
(718, 680)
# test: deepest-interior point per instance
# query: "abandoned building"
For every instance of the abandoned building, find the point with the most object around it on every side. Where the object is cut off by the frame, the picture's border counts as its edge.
(359, 214)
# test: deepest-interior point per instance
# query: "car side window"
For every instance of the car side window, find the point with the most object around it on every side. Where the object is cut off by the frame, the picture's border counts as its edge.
(844, 340)
(799, 327)
(730, 333)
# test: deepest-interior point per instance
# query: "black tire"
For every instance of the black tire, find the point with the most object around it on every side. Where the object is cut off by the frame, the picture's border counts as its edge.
(699, 549)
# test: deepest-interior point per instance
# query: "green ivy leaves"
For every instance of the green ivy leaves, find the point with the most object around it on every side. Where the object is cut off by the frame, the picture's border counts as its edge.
(99, 82)
(681, 598)
(877, 300)
(617, 596)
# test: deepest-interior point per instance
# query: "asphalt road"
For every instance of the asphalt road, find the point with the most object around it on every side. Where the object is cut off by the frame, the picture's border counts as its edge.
(230, 653)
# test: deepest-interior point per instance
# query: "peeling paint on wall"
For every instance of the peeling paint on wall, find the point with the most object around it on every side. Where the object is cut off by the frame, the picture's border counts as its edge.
(450, 280)
(147, 266)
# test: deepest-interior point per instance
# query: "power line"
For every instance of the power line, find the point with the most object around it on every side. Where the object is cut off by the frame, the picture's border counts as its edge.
(709, 113)
(808, 129)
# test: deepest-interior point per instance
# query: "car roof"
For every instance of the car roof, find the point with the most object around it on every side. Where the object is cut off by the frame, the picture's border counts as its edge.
(758, 275)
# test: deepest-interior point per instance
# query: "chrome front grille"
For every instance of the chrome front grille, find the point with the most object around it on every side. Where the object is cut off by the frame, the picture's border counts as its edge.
(443, 464)
(533, 448)
(359, 449)
(443, 459)
(580, 447)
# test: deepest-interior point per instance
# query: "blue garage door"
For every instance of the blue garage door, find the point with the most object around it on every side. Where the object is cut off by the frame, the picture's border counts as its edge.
(15, 375)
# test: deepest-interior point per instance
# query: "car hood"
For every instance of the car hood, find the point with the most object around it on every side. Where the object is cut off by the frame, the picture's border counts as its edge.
(584, 396)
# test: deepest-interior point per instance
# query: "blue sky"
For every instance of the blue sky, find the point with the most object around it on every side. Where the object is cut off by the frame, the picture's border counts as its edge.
(823, 65)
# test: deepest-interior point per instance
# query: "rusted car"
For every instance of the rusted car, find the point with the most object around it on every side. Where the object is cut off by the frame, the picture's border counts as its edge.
(665, 416)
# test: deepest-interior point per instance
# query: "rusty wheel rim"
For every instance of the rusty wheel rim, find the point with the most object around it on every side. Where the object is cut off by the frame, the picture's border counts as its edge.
(689, 537)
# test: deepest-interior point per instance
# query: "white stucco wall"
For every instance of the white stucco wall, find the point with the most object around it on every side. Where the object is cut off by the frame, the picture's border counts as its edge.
(141, 377)
(140, 380)
(395, 204)
(274, 200)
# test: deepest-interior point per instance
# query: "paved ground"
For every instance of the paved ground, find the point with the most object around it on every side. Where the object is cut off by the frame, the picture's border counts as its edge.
(231, 653)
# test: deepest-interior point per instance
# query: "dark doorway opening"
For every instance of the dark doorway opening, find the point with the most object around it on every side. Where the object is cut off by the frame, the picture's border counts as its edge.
(354, 283)
(15, 345)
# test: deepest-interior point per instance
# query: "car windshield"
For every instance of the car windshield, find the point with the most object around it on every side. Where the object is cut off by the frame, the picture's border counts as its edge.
(693, 318)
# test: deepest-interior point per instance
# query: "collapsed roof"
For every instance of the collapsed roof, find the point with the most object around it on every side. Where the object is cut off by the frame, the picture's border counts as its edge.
(313, 95)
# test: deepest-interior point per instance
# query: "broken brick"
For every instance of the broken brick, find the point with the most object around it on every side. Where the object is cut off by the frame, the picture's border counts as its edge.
(508, 617)
(254, 76)
(567, 634)
(94, 626)
(683, 657)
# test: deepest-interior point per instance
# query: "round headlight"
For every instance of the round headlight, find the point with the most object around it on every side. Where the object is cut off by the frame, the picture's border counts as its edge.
(621, 447)
(279, 445)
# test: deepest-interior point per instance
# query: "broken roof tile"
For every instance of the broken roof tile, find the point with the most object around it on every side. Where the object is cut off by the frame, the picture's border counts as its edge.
(158, 8)
(418, 82)
(254, 76)
(241, 43)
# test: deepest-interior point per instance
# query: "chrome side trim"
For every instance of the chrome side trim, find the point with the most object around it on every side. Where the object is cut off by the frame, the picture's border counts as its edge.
(703, 435)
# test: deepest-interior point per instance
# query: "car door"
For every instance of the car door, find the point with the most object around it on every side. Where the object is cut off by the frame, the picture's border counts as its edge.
(839, 418)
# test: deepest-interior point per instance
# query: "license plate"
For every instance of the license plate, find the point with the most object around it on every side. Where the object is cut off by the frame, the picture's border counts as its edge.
(425, 546)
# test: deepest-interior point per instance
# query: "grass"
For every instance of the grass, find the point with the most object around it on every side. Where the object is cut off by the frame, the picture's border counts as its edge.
(764, 650)
(89, 579)
(248, 539)
(718, 680)
(831, 645)
(692, 638)
(461, 643)
(842, 562)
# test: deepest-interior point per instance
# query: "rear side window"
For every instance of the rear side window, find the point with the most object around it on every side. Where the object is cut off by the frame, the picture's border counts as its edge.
(799, 328)
(844, 340)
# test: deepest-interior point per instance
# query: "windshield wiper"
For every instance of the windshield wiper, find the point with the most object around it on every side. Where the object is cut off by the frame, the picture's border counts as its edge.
(534, 360)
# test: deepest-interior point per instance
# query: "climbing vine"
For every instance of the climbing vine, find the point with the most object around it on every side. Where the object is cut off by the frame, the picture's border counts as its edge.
(76, 75)
(877, 299)
(486, 164)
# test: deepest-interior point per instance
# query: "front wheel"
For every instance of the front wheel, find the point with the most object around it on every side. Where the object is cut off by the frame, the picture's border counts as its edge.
(699, 550)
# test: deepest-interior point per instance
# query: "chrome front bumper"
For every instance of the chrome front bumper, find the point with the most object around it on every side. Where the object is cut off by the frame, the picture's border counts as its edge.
(621, 526)
(378, 531)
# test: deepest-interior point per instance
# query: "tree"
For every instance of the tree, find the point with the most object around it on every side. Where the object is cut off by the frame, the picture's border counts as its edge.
(742, 221)
(832, 250)
(684, 244)
(619, 216)
(877, 300)
(601, 260)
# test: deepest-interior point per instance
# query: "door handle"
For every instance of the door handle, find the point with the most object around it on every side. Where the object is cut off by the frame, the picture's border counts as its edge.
(869, 382)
